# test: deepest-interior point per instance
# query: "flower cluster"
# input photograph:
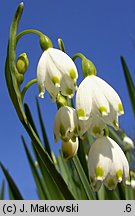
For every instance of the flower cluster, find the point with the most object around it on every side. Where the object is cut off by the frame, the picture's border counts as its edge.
(97, 105)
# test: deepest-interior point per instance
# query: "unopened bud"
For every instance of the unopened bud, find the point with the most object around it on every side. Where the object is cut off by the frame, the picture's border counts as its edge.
(69, 148)
(22, 63)
(128, 143)
(88, 67)
(45, 42)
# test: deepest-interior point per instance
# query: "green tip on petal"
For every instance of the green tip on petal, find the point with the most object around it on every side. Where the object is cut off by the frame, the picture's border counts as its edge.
(115, 124)
(102, 110)
(56, 80)
(111, 184)
(120, 108)
(99, 172)
(55, 138)
(62, 130)
(69, 91)
(75, 130)
(119, 174)
(96, 130)
(80, 113)
(72, 74)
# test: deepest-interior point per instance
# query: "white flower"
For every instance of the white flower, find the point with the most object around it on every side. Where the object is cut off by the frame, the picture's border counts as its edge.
(129, 144)
(95, 99)
(56, 72)
(93, 125)
(69, 148)
(107, 163)
(66, 124)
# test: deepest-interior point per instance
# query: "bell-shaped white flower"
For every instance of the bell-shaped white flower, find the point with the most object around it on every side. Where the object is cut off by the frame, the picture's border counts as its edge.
(98, 99)
(69, 148)
(107, 163)
(56, 72)
(66, 124)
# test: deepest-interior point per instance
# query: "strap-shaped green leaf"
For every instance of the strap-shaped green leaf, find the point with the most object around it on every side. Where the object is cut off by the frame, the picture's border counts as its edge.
(83, 178)
(45, 138)
(2, 191)
(13, 187)
(40, 188)
(130, 83)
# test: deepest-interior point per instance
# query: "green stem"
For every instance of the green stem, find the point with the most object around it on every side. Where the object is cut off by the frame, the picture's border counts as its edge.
(78, 55)
(27, 86)
(28, 31)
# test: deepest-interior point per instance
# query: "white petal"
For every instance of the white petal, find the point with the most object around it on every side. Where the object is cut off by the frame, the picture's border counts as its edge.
(68, 86)
(112, 118)
(63, 62)
(51, 88)
(96, 127)
(110, 94)
(100, 104)
(52, 69)
(83, 126)
(41, 74)
(99, 159)
(84, 100)
(119, 158)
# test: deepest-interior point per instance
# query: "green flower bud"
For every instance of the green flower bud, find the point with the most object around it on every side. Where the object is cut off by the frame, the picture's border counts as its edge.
(22, 63)
(88, 67)
(45, 42)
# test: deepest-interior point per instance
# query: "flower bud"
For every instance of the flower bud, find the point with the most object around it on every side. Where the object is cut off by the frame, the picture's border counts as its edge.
(45, 42)
(22, 63)
(128, 143)
(88, 67)
(69, 149)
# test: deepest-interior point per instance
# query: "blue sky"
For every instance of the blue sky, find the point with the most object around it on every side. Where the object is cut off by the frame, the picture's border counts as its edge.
(101, 30)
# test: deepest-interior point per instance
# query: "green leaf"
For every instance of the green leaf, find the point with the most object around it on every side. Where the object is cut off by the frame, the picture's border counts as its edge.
(111, 195)
(29, 117)
(2, 191)
(13, 187)
(115, 136)
(40, 187)
(83, 178)
(52, 190)
(129, 82)
(82, 157)
(45, 138)
(67, 172)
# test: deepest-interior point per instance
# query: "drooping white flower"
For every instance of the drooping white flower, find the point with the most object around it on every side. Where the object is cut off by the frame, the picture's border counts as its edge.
(65, 124)
(97, 99)
(107, 163)
(69, 148)
(56, 72)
